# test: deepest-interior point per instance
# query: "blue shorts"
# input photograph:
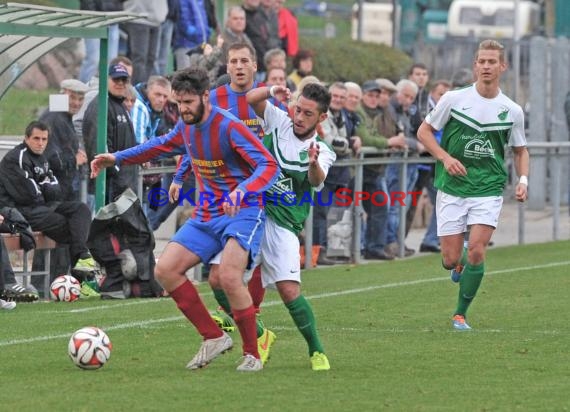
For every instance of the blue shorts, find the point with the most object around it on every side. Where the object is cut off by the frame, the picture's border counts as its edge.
(207, 239)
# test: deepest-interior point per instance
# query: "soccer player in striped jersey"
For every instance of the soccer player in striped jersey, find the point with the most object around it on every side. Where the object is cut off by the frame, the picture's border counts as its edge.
(229, 162)
(241, 67)
(478, 121)
(304, 160)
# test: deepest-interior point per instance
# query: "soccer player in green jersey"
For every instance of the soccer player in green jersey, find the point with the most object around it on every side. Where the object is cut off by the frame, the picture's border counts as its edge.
(304, 160)
(478, 121)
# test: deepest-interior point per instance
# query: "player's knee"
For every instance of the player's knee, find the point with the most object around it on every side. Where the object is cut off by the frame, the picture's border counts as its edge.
(476, 255)
(449, 260)
(230, 281)
(163, 272)
(288, 290)
(214, 281)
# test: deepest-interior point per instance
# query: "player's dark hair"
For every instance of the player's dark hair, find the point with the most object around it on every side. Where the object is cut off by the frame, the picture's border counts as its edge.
(36, 124)
(317, 93)
(193, 80)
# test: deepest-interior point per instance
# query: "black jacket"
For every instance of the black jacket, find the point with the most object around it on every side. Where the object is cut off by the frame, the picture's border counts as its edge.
(26, 181)
(120, 136)
(61, 152)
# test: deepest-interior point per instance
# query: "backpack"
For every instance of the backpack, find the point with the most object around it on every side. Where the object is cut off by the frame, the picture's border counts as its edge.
(122, 242)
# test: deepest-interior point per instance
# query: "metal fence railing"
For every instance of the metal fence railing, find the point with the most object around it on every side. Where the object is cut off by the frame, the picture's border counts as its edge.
(555, 152)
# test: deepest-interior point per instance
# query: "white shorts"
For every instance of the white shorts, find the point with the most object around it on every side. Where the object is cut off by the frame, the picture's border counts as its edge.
(280, 258)
(455, 214)
(216, 260)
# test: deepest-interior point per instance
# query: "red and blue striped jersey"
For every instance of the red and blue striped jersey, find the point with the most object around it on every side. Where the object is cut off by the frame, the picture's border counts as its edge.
(225, 155)
(236, 103)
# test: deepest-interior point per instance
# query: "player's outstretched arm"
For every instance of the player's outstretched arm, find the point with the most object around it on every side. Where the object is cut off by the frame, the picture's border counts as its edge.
(100, 162)
(257, 98)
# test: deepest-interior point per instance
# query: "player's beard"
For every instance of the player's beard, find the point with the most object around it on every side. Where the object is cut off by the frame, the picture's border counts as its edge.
(304, 136)
(196, 117)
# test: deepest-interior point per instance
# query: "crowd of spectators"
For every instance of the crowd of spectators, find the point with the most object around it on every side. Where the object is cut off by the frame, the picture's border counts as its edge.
(176, 34)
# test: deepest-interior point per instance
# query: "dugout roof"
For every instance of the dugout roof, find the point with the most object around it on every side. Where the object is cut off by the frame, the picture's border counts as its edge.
(27, 32)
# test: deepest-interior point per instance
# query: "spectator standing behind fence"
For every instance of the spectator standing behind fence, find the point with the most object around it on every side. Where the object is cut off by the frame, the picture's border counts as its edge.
(28, 184)
(120, 133)
(63, 152)
(143, 35)
(398, 108)
(377, 129)
(335, 134)
(288, 29)
(478, 122)
(302, 67)
(259, 30)
(190, 31)
(164, 41)
(234, 32)
(419, 74)
(209, 58)
(148, 122)
(430, 242)
(90, 63)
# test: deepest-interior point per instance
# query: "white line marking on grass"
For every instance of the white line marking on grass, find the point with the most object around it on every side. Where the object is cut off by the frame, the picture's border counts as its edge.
(112, 306)
(420, 281)
(283, 328)
(106, 328)
(265, 304)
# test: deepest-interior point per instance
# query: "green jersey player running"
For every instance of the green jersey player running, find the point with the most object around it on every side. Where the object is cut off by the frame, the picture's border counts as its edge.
(304, 160)
(478, 121)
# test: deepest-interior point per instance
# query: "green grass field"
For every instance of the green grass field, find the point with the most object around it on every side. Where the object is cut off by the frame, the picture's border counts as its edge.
(386, 330)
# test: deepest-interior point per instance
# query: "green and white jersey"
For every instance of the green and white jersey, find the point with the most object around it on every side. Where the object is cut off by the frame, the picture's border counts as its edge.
(289, 200)
(475, 132)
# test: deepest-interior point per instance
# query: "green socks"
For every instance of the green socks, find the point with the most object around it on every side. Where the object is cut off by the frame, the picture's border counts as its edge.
(468, 285)
(304, 319)
(223, 301)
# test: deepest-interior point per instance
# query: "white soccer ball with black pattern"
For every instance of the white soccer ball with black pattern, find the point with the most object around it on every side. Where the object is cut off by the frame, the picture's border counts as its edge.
(89, 348)
(65, 288)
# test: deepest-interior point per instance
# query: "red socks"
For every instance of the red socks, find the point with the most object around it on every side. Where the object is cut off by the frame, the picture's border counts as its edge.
(189, 302)
(245, 320)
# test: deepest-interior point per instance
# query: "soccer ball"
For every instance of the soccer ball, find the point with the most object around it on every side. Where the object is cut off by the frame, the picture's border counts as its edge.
(65, 288)
(89, 348)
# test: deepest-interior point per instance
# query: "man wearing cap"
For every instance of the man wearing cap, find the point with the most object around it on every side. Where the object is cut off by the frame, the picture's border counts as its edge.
(377, 129)
(65, 155)
(120, 133)
(63, 151)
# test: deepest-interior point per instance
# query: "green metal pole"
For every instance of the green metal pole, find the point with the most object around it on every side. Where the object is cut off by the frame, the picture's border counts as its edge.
(102, 120)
